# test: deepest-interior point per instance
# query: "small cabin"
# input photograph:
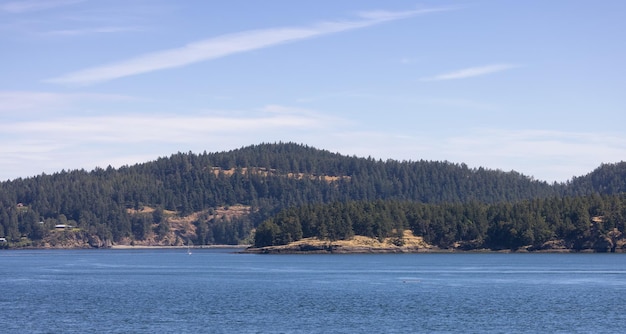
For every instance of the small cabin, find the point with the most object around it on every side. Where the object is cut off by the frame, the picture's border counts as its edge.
(3, 240)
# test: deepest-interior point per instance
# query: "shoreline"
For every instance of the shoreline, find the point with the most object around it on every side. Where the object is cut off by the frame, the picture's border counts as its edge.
(129, 247)
(283, 251)
(178, 247)
(339, 249)
(332, 249)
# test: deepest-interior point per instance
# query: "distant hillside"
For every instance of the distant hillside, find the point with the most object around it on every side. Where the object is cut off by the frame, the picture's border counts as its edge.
(189, 198)
(606, 179)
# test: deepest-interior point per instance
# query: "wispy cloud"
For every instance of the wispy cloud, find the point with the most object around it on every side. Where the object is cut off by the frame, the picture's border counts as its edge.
(384, 15)
(18, 102)
(88, 31)
(66, 18)
(470, 72)
(547, 155)
(225, 45)
(35, 5)
(327, 96)
(456, 103)
(180, 128)
(49, 144)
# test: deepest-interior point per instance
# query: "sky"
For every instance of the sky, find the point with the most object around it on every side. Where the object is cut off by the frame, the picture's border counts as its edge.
(532, 86)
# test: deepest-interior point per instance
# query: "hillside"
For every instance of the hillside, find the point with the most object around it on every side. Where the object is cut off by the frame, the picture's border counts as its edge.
(606, 179)
(220, 198)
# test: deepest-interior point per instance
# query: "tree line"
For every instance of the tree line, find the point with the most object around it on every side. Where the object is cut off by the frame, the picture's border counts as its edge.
(585, 222)
(268, 178)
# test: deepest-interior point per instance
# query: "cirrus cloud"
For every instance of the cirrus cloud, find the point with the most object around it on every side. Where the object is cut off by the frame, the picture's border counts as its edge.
(17, 7)
(225, 45)
(470, 72)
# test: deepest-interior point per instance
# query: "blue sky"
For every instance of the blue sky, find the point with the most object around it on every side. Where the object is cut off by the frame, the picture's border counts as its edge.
(531, 86)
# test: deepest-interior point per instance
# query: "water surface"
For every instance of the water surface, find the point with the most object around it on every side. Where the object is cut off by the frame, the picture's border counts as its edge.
(218, 291)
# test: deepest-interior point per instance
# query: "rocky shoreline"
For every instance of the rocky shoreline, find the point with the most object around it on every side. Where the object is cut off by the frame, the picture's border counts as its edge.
(408, 243)
(304, 248)
(338, 249)
(412, 244)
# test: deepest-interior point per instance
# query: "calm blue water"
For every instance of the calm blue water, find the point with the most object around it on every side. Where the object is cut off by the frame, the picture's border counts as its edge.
(216, 291)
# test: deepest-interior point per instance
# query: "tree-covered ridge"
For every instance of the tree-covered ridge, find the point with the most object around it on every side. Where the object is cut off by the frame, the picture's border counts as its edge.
(592, 222)
(266, 178)
(609, 178)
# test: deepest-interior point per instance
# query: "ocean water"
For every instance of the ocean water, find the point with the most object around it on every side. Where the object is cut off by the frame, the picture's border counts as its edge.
(218, 291)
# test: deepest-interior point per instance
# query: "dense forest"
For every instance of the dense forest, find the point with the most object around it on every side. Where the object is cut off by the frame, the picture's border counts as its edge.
(190, 198)
(590, 222)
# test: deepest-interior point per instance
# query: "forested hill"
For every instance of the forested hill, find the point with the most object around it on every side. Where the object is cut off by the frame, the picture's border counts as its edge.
(185, 198)
(606, 179)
